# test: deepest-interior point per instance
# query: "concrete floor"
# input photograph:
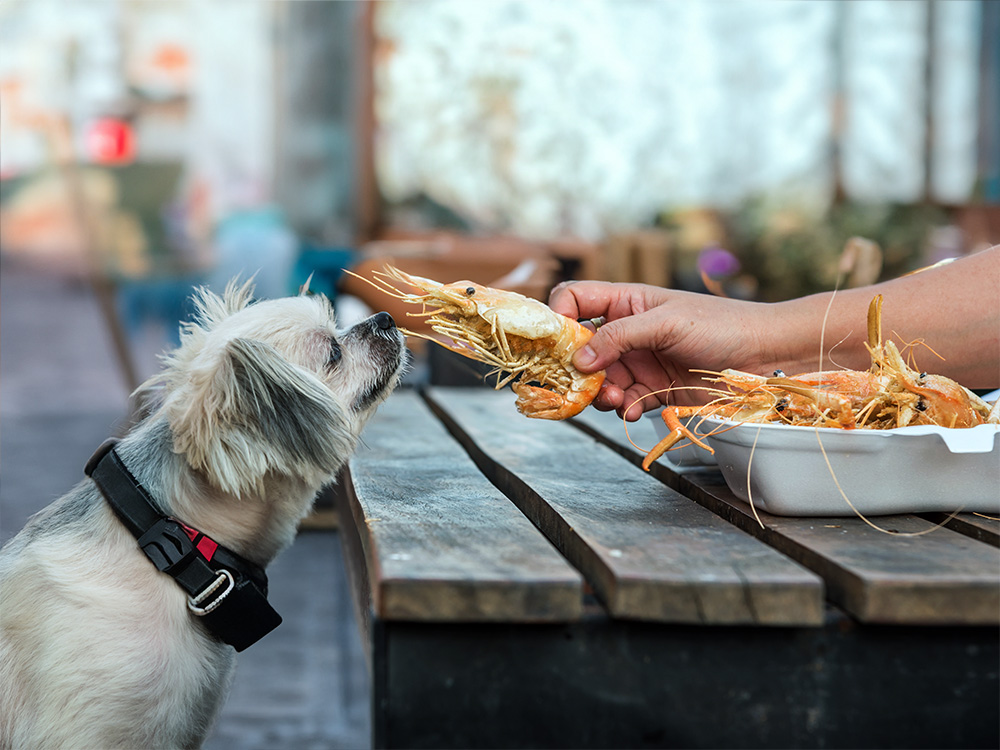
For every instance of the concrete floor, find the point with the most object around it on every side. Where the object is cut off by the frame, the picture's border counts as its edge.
(305, 685)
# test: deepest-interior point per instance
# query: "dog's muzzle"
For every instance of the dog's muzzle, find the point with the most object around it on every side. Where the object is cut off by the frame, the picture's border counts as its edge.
(383, 321)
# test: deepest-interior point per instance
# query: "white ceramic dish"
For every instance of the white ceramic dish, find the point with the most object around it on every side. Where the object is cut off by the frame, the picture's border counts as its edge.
(688, 455)
(907, 470)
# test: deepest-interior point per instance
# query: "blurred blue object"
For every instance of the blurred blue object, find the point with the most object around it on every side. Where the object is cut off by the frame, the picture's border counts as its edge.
(326, 266)
(166, 301)
(255, 242)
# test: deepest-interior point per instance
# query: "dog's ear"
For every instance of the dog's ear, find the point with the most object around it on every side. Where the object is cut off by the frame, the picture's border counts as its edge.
(249, 411)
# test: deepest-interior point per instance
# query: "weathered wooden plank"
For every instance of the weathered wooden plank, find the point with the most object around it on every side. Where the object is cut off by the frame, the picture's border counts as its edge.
(975, 525)
(941, 577)
(648, 552)
(440, 542)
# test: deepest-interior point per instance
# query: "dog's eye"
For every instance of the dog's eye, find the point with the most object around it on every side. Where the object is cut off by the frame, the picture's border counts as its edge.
(335, 353)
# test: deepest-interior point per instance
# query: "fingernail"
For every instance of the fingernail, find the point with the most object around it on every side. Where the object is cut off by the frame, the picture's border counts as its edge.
(585, 357)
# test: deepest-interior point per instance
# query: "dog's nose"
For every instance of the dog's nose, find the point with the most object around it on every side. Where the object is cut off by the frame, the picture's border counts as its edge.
(384, 321)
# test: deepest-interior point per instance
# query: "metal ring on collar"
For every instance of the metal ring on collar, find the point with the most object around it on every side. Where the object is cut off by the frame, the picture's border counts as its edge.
(194, 604)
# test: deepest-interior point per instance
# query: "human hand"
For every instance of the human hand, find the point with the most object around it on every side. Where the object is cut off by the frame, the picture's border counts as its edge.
(653, 337)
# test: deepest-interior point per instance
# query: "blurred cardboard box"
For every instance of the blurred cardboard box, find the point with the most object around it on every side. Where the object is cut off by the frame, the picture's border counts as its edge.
(643, 257)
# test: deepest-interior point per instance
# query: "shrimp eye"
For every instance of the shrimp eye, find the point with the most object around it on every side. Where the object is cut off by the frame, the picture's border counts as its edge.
(779, 373)
(470, 290)
(335, 352)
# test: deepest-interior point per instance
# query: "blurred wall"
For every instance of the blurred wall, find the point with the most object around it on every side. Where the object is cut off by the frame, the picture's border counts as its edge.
(594, 116)
(544, 119)
(317, 113)
(232, 140)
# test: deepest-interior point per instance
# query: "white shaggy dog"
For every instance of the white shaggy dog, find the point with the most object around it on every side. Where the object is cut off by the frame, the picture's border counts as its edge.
(258, 408)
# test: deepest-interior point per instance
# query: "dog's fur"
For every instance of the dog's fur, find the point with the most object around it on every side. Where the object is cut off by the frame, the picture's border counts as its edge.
(258, 408)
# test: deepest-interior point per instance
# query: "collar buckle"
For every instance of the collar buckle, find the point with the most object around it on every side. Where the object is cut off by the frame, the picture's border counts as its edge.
(167, 546)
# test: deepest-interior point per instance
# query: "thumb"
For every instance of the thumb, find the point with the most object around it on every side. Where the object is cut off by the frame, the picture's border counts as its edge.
(612, 340)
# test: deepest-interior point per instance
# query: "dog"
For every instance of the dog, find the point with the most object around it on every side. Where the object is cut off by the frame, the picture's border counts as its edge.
(256, 410)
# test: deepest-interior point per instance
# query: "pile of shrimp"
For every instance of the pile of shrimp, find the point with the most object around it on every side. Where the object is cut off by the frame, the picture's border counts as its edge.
(890, 394)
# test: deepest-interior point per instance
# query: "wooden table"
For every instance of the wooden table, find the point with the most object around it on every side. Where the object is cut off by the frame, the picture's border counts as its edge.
(522, 583)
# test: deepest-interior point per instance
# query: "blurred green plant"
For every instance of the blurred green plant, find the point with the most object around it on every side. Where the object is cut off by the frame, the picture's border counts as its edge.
(793, 253)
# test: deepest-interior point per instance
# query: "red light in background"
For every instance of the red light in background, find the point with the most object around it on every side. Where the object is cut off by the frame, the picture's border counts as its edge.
(110, 141)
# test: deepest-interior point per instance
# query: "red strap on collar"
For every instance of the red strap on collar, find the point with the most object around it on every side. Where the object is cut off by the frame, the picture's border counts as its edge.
(204, 544)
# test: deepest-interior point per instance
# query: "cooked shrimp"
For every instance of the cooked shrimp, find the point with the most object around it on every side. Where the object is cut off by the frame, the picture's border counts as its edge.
(890, 394)
(529, 345)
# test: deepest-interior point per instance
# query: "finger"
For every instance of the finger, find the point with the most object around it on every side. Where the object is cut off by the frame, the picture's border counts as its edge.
(585, 299)
(617, 338)
(563, 301)
(635, 401)
(617, 377)
(608, 398)
(623, 375)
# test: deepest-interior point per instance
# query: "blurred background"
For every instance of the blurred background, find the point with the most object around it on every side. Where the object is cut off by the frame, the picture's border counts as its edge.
(150, 146)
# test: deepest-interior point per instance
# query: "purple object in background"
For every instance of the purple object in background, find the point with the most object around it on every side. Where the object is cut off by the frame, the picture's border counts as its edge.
(715, 261)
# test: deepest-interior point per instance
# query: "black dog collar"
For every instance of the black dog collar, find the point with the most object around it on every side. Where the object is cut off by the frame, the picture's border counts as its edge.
(228, 592)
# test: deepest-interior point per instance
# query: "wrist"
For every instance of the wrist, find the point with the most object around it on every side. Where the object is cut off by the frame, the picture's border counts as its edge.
(819, 332)
(791, 336)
